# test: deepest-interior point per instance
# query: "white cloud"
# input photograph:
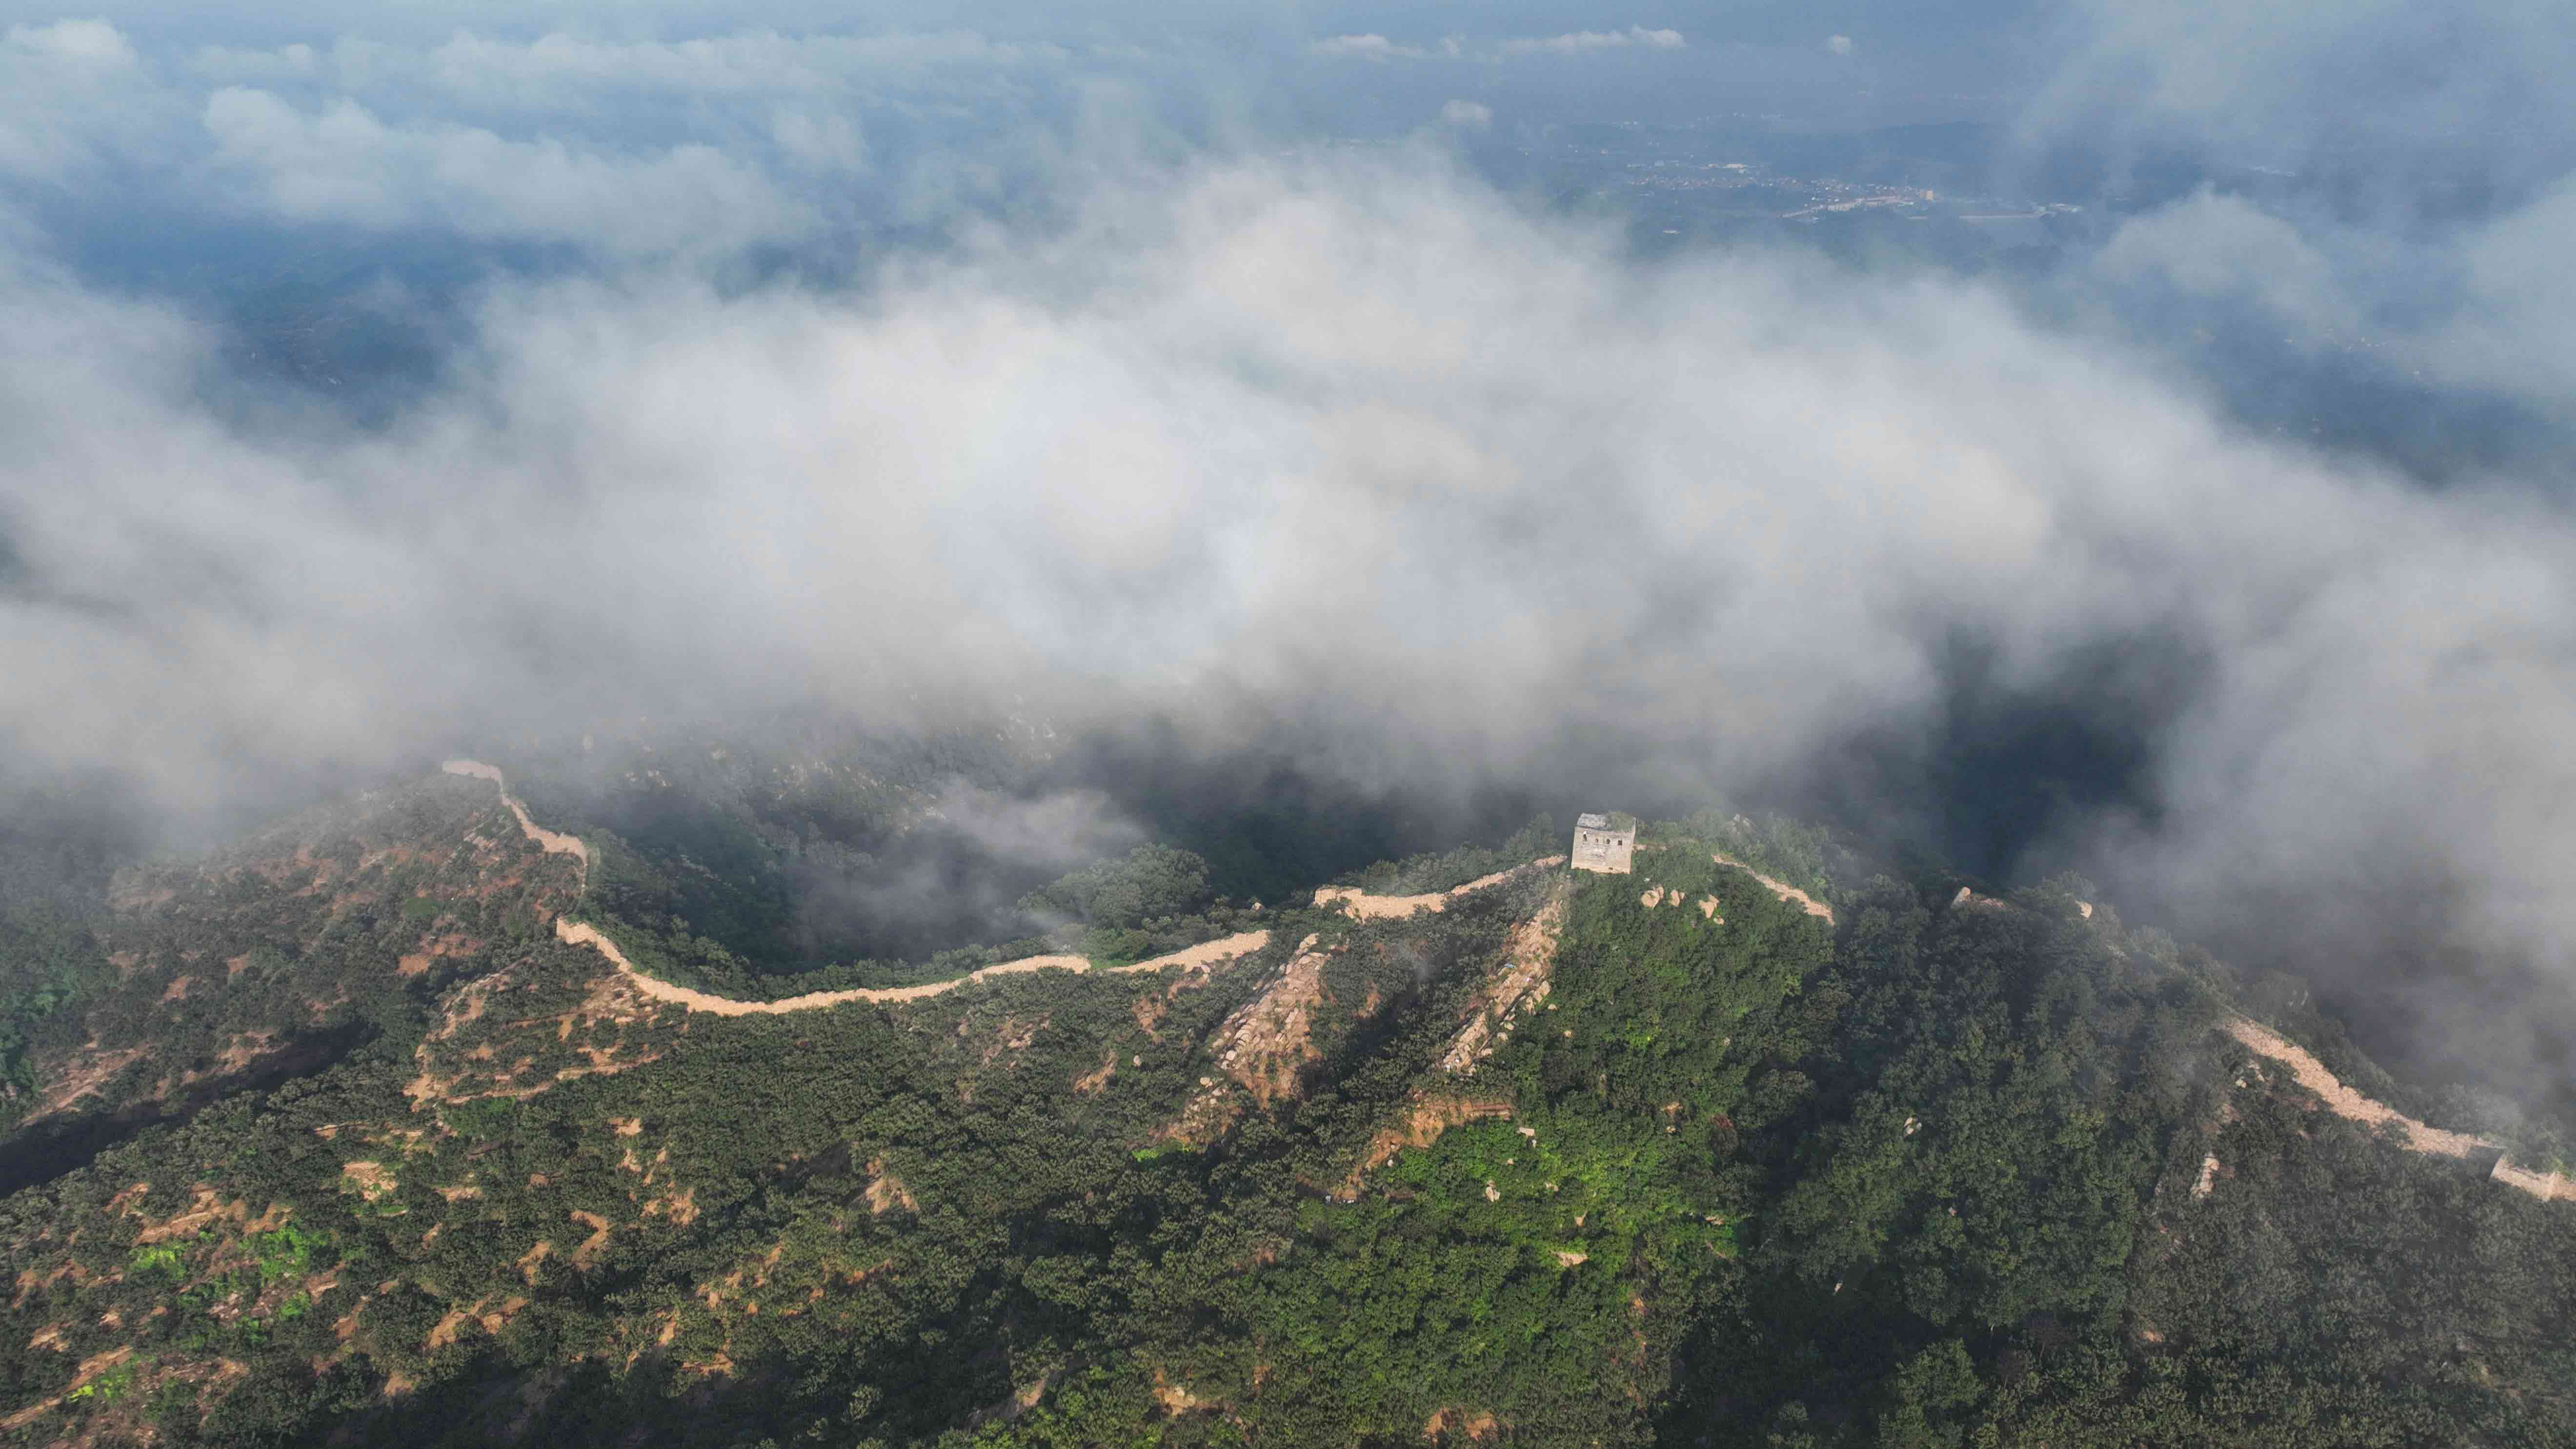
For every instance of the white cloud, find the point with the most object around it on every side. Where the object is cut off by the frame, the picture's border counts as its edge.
(1375, 47)
(695, 145)
(1378, 48)
(73, 96)
(2517, 331)
(230, 65)
(1583, 41)
(2224, 248)
(87, 42)
(821, 141)
(1372, 425)
(342, 164)
(762, 61)
(2468, 88)
(1839, 44)
(1467, 115)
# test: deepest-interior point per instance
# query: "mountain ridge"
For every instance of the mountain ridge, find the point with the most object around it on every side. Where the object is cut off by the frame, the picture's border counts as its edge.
(1984, 1155)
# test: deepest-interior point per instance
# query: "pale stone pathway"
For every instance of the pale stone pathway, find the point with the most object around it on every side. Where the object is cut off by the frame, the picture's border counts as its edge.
(1781, 888)
(1370, 908)
(2344, 1102)
(551, 841)
(1206, 953)
(580, 933)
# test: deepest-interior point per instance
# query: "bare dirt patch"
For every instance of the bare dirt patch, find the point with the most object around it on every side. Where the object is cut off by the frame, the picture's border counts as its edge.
(454, 943)
(1013, 1035)
(444, 1332)
(488, 1070)
(1422, 1124)
(466, 1006)
(2208, 1177)
(90, 1070)
(28, 1282)
(589, 1247)
(1476, 1425)
(245, 1049)
(886, 1191)
(89, 1369)
(203, 1208)
(1149, 1014)
(1098, 1081)
(369, 1180)
(1177, 1399)
(491, 1320)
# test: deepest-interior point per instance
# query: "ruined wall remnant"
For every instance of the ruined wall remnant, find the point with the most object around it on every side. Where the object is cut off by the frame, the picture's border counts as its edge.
(1604, 844)
(2542, 1185)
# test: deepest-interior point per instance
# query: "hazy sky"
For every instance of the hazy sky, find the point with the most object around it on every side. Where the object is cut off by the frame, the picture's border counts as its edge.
(1191, 415)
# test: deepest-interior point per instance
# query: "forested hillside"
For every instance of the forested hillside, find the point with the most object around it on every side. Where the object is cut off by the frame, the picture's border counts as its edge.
(328, 1138)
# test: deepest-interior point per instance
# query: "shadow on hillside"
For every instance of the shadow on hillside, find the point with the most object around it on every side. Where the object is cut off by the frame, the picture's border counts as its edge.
(47, 1150)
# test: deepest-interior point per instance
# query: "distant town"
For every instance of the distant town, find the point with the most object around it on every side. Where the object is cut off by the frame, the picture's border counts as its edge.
(1744, 167)
(1757, 188)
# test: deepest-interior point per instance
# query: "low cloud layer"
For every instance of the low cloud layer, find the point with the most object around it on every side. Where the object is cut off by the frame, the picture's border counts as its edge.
(1375, 47)
(343, 164)
(694, 148)
(1464, 492)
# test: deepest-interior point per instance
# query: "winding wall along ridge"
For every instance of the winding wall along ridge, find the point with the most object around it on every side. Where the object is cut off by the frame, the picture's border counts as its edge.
(2347, 1103)
(2310, 1073)
(1368, 907)
(1782, 889)
(552, 841)
(582, 933)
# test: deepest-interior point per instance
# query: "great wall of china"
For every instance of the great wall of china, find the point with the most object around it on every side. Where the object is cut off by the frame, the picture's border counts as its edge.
(2344, 1102)
(1206, 954)
(2310, 1073)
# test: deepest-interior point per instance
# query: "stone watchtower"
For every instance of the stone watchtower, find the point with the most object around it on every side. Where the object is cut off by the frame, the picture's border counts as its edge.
(1605, 843)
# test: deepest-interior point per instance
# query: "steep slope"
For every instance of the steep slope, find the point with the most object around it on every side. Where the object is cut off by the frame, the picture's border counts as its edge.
(283, 953)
